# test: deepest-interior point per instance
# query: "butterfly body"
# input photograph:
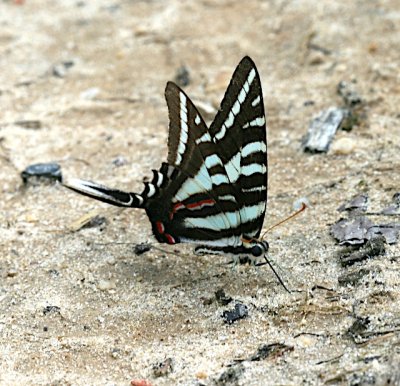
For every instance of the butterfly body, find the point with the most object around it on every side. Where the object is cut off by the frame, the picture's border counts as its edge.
(212, 191)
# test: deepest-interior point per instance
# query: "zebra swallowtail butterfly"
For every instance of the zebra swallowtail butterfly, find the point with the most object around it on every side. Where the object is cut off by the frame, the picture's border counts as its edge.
(212, 191)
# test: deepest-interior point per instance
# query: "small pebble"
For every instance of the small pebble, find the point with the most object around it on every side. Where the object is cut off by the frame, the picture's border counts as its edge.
(182, 76)
(106, 285)
(343, 146)
(239, 312)
(305, 340)
(12, 272)
(50, 171)
(322, 130)
(90, 93)
(201, 375)
(119, 161)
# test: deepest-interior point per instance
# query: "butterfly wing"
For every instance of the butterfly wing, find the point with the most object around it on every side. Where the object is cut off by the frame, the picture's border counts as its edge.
(214, 198)
(239, 131)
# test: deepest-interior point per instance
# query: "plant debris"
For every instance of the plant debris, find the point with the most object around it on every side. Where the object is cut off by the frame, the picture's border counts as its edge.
(163, 368)
(88, 220)
(60, 70)
(322, 129)
(221, 297)
(359, 326)
(353, 278)
(48, 171)
(141, 248)
(34, 124)
(358, 203)
(360, 229)
(231, 376)
(182, 77)
(353, 105)
(352, 231)
(373, 247)
(270, 350)
(349, 93)
(394, 207)
(239, 312)
(51, 310)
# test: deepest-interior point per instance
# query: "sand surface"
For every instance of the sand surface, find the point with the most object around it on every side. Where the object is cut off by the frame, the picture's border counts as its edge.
(82, 84)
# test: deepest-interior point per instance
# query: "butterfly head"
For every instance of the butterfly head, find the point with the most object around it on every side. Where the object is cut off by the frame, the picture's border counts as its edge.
(259, 248)
(256, 247)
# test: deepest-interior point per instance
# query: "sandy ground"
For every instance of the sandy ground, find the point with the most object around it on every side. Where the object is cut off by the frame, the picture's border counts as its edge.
(82, 84)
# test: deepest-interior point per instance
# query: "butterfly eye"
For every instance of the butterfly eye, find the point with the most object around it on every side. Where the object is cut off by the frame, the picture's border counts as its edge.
(257, 251)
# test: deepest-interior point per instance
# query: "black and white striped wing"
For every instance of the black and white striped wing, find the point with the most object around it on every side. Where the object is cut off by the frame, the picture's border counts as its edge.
(218, 190)
(193, 209)
(239, 131)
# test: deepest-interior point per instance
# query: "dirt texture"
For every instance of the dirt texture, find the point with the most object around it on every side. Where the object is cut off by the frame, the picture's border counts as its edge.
(82, 84)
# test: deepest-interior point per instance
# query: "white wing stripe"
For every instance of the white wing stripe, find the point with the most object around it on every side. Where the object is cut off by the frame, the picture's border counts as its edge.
(253, 147)
(218, 179)
(216, 222)
(232, 168)
(227, 197)
(256, 101)
(212, 160)
(199, 183)
(206, 137)
(183, 135)
(248, 170)
(222, 242)
(253, 189)
(260, 121)
(236, 107)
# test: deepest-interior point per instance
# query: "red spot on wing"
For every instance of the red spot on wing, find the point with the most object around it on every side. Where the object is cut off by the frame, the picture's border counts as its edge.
(160, 227)
(200, 204)
(170, 239)
(175, 208)
(161, 230)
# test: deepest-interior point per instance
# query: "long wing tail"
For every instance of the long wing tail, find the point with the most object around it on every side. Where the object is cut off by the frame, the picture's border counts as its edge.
(103, 193)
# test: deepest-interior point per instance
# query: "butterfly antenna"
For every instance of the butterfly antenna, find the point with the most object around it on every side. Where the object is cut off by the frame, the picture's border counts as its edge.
(303, 207)
(275, 273)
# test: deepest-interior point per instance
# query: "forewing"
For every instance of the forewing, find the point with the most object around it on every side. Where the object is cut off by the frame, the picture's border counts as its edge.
(239, 131)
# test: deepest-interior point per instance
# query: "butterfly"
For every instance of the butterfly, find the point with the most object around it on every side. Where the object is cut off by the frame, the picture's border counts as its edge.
(212, 191)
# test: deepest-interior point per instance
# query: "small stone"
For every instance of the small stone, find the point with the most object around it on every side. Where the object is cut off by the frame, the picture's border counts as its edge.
(349, 94)
(106, 285)
(316, 58)
(119, 161)
(305, 340)
(343, 146)
(51, 310)
(163, 368)
(394, 208)
(141, 248)
(34, 124)
(322, 130)
(60, 70)
(221, 297)
(239, 312)
(49, 171)
(90, 93)
(12, 272)
(201, 375)
(358, 203)
(182, 76)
